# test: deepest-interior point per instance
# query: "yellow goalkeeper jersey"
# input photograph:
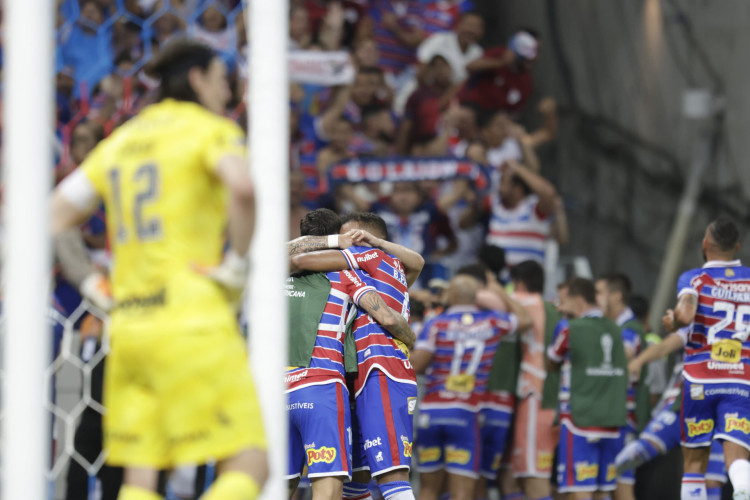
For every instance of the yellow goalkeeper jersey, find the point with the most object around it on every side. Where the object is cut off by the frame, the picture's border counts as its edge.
(166, 214)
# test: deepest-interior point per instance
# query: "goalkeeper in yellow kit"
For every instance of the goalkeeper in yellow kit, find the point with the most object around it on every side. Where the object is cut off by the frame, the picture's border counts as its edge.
(174, 182)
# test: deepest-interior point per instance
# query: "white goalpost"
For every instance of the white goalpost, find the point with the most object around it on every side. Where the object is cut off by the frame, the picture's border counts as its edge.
(27, 165)
(269, 145)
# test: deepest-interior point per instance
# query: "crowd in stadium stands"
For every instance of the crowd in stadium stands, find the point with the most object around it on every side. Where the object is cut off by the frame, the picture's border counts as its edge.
(421, 87)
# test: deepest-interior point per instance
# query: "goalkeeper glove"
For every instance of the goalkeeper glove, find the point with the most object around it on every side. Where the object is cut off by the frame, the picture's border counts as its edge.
(95, 288)
(231, 274)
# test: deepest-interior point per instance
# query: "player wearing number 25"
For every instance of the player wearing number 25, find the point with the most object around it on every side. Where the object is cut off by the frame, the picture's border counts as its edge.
(456, 350)
(173, 180)
(714, 301)
(593, 393)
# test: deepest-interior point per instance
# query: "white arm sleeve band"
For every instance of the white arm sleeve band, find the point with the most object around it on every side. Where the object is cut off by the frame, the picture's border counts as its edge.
(78, 190)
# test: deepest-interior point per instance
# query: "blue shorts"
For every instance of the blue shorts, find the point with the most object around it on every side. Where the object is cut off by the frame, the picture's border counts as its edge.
(320, 431)
(448, 438)
(663, 430)
(629, 433)
(385, 414)
(715, 411)
(495, 427)
(586, 464)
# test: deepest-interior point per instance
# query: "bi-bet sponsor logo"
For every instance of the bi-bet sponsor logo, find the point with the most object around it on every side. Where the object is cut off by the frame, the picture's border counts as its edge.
(407, 446)
(369, 443)
(457, 455)
(734, 423)
(586, 470)
(322, 454)
(700, 427)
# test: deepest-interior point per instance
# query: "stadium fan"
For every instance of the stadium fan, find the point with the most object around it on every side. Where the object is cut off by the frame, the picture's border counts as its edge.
(501, 79)
(377, 132)
(419, 225)
(535, 435)
(385, 388)
(519, 220)
(613, 293)
(421, 121)
(319, 307)
(297, 207)
(713, 300)
(364, 92)
(593, 393)
(300, 33)
(459, 46)
(457, 350)
(174, 290)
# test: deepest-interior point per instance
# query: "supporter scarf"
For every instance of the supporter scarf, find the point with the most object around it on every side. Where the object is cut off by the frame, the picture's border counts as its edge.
(320, 68)
(396, 169)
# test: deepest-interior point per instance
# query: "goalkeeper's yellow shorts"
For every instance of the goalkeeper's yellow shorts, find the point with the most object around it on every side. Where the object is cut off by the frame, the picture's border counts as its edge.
(179, 398)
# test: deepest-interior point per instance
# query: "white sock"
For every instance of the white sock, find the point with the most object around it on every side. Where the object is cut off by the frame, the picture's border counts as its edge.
(739, 475)
(693, 487)
(404, 495)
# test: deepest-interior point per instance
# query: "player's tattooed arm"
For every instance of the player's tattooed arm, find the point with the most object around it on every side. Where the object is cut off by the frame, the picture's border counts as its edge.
(305, 244)
(684, 312)
(412, 261)
(386, 317)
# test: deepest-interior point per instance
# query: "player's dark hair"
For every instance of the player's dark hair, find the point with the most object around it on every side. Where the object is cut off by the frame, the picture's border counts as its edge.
(618, 282)
(639, 305)
(493, 257)
(724, 232)
(416, 309)
(372, 222)
(476, 270)
(470, 13)
(320, 222)
(372, 110)
(582, 287)
(530, 273)
(173, 64)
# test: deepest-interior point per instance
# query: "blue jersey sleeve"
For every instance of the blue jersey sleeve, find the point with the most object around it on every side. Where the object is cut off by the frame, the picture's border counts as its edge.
(426, 339)
(631, 340)
(684, 283)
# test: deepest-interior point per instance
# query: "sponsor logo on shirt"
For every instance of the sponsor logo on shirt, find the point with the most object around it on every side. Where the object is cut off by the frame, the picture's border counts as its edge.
(367, 257)
(611, 472)
(734, 423)
(322, 454)
(586, 470)
(301, 405)
(700, 427)
(379, 457)
(295, 377)
(353, 278)
(696, 392)
(412, 404)
(544, 461)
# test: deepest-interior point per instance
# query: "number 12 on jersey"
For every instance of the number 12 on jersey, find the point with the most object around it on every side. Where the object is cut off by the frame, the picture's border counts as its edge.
(145, 186)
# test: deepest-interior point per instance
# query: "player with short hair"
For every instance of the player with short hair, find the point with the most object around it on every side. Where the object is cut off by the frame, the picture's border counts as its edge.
(321, 306)
(715, 301)
(177, 388)
(457, 350)
(592, 393)
(385, 388)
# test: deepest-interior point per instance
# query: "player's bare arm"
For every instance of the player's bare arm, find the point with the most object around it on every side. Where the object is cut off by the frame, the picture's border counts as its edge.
(412, 261)
(684, 312)
(321, 261)
(305, 244)
(670, 344)
(232, 171)
(73, 201)
(388, 318)
(524, 318)
(420, 360)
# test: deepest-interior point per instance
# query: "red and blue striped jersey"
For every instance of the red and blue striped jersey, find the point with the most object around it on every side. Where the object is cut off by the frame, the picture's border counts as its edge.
(376, 348)
(463, 341)
(394, 55)
(327, 362)
(521, 231)
(723, 292)
(632, 342)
